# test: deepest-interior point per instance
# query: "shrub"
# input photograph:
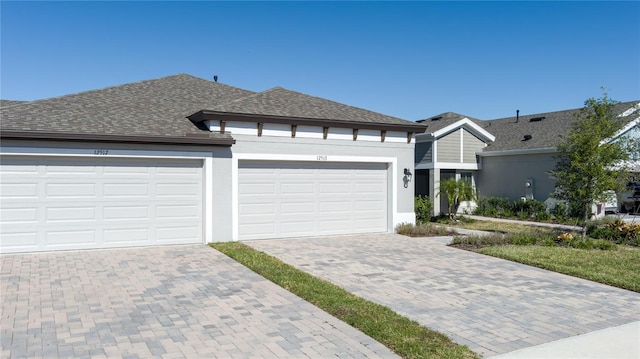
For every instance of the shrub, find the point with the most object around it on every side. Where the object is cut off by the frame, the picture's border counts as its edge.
(476, 241)
(524, 239)
(617, 231)
(530, 207)
(560, 211)
(422, 230)
(423, 206)
(542, 216)
(486, 206)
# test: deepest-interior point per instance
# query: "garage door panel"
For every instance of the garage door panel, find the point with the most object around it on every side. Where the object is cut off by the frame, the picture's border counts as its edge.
(125, 190)
(338, 188)
(259, 230)
(18, 190)
(126, 213)
(70, 170)
(18, 215)
(99, 203)
(68, 213)
(121, 169)
(77, 237)
(177, 235)
(126, 236)
(289, 188)
(248, 189)
(308, 199)
(177, 212)
(177, 190)
(71, 190)
(256, 208)
(300, 208)
(21, 241)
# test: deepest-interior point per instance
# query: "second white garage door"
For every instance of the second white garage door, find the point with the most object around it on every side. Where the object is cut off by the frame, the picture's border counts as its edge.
(292, 199)
(57, 203)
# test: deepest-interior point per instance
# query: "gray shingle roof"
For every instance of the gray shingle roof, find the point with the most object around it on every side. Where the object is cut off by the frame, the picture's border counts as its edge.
(285, 103)
(443, 120)
(159, 108)
(7, 103)
(148, 108)
(545, 132)
(510, 132)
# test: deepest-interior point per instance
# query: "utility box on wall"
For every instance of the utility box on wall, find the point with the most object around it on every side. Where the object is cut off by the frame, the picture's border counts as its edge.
(528, 191)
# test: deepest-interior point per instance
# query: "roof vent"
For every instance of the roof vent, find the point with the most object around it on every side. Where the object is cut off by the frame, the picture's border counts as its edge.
(536, 119)
(526, 138)
(438, 118)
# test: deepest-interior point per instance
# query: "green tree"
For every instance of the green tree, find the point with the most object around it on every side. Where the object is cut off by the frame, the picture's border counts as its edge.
(457, 191)
(590, 164)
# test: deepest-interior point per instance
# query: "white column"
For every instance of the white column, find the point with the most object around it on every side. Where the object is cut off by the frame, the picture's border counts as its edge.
(434, 189)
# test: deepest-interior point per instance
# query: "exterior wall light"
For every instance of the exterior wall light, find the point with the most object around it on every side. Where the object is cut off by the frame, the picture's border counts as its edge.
(407, 177)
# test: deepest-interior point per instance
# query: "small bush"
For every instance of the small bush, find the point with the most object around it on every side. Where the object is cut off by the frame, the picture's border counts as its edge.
(423, 206)
(542, 216)
(617, 231)
(422, 230)
(477, 241)
(525, 239)
(530, 207)
(560, 211)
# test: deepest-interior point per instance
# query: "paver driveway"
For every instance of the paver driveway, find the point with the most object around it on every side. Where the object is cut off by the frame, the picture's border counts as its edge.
(172, 302)
(494, 306)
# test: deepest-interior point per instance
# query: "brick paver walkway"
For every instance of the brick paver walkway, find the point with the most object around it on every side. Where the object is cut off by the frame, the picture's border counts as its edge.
(163, 302)
(494, 306)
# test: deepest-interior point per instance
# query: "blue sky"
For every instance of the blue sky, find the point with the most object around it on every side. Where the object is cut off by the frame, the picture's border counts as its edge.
(406, 59)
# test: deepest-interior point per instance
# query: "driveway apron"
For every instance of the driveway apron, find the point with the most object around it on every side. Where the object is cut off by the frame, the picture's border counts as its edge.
(163, 302)
(491, 305)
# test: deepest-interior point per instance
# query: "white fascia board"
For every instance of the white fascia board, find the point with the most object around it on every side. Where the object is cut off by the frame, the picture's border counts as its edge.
(533, 151)
(625, 129)
(470, 125)
(455, 166)
(448, 166)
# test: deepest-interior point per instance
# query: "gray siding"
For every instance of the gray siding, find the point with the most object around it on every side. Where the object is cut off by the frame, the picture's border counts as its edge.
(449, 147)
(505, 176)
(424, 152)
(471, 144)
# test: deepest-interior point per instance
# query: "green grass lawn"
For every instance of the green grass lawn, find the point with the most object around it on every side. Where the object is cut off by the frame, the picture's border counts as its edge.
(405, 337)
(619, 267)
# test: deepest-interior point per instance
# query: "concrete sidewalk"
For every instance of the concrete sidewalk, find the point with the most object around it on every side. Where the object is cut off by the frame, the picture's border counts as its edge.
(622, 342)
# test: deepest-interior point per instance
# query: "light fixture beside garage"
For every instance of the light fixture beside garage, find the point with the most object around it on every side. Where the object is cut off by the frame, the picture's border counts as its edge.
(407, 177)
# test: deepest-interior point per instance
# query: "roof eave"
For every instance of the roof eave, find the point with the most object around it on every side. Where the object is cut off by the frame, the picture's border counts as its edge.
(194, 140)
(208, 115)
(515, 152)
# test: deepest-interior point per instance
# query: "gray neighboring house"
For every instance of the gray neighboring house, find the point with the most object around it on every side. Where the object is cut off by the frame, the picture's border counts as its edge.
(508, 157)
(181, 160)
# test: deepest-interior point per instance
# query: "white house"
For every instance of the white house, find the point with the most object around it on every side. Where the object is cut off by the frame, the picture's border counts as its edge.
(186, 160)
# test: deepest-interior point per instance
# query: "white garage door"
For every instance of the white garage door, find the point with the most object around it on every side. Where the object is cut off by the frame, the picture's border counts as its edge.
(291, 199)
(51, 203)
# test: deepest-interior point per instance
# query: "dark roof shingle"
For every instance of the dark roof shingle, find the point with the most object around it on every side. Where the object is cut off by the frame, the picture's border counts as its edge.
(148, 108)
(545, 130)
(285, 103)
